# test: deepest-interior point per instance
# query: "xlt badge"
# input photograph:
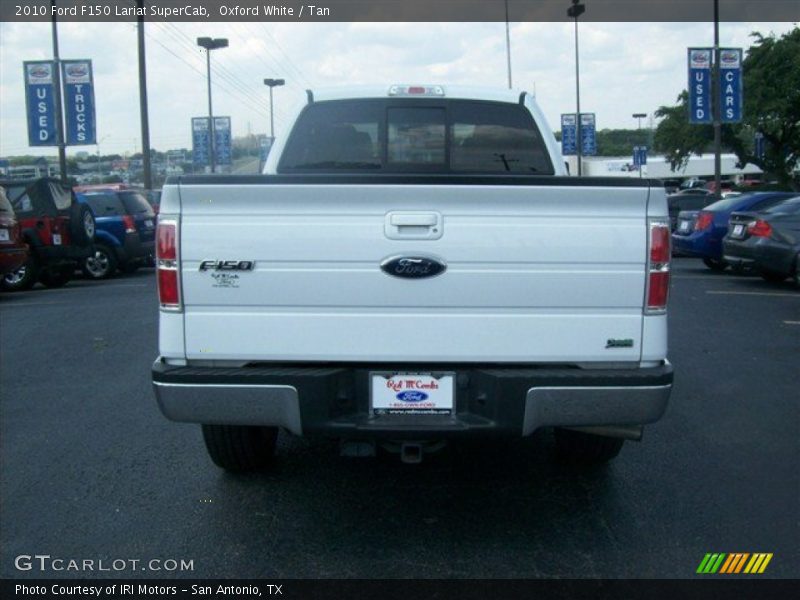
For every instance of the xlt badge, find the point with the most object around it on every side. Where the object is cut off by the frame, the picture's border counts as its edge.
(227, 265)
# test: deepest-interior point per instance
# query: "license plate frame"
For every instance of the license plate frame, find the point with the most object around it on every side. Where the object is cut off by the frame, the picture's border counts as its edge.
(56, 239)
(738, 230)
(412, 393)
(683, 226)
(5, 236)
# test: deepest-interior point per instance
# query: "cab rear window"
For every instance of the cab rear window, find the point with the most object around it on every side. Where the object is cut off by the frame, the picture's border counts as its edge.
(391, 135)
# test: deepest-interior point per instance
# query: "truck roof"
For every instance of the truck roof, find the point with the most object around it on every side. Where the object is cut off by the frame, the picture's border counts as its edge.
(463, 92)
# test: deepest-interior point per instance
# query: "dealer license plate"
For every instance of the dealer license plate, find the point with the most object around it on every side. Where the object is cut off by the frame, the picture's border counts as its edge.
(737, 230)
(684, 226)
(148, 223)
(56, 239)
(4, 235)
(412, 393)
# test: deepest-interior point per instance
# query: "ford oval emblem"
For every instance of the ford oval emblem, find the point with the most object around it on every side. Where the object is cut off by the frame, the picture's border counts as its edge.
(412, 396)
(413, 267)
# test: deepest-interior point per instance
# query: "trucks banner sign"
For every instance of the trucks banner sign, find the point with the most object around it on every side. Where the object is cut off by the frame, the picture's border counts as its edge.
(730, 84)
(222, 141)
(79, 102)
(40, 102)
(700, 85)
(201, 144)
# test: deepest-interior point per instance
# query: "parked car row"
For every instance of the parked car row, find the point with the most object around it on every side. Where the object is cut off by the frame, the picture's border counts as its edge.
(758, 231)
(48, 232)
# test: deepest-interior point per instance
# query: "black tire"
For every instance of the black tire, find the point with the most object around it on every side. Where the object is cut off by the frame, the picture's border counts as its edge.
(715, 265)
(23, 278)
(101, 265)
(240, 448)
(55, 278)
(82, 225)
(772, 276)
(581, 448)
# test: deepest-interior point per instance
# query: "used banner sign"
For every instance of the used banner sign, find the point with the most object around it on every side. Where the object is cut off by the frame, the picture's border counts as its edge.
(40, 102)
(79, 102)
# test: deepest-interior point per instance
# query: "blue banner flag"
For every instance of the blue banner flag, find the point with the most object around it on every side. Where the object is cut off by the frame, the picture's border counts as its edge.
(40, 102)
(569, 135)
(201, 141)
(588, 134)
(700, 85)
(79, 102)
(222, 141)
(730, 84)
(639, 156)
(758, 150)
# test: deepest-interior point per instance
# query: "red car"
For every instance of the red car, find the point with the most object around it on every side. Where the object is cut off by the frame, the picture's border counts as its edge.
(13, 251)
(58, 230)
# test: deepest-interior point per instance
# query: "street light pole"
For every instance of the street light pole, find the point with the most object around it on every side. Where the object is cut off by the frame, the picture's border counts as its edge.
(715, 101)
(575, 11)
(271, 83)
(640, 116)
(508, 47)
(211, 44)
(60, 137)
(143, 116)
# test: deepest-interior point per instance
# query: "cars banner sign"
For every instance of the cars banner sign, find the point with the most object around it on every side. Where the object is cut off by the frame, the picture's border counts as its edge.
(569, 135)
(79, 102)
(40, 102)
(730, 84)
(700, 85)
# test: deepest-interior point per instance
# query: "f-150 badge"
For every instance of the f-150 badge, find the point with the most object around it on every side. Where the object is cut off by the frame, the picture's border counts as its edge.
(227, 265)
(413, 267)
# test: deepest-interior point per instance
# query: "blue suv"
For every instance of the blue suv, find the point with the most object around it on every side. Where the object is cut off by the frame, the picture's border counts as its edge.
(124, 234)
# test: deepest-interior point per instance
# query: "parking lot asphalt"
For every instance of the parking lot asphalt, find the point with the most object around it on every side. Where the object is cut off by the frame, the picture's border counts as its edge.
(91, 470)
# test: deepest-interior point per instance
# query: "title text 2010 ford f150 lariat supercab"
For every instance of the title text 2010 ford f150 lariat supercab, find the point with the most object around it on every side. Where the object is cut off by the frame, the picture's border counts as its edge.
(413, 266)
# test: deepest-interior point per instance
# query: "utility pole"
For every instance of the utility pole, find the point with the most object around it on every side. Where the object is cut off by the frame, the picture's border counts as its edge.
(575, 11)
(640, 116)
(715, 99)
(508, 47)
(62, 148)
(146, 167)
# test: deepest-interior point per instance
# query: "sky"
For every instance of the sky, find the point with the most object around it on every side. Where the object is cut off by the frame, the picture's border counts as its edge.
(625, 68)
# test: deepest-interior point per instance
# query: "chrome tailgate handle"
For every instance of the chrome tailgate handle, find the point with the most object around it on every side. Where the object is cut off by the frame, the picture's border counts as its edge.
(402, 225)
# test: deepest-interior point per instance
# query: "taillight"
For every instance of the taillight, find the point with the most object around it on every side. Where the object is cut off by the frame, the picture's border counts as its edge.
(704, 221)
(168, 265)
(130, 224)
(759, 228)
(658, 263)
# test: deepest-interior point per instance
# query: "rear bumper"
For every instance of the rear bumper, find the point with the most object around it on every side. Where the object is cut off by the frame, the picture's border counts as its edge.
(762, 254)
(334, 400)
(134, 249)
(69, 253)
(697, 245)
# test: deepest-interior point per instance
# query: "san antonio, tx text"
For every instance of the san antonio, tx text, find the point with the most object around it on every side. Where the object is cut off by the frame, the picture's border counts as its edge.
(100, 591)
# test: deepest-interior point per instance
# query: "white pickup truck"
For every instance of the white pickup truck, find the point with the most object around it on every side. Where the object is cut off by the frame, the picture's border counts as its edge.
(413, 266)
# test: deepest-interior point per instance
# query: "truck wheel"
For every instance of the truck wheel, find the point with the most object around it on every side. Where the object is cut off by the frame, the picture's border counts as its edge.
(101, 265)
(56, 278)
(23, 278)
(240, 448)
(578, 447)
(715, 265)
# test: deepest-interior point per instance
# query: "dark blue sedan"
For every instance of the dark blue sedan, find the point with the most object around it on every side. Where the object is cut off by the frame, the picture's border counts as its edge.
(700, 233)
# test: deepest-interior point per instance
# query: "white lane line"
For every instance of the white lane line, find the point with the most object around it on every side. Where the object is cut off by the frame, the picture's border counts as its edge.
(791, 322)
(732, 293)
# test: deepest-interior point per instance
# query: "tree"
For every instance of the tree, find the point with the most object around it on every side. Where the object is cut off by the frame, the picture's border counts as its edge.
(771, 72)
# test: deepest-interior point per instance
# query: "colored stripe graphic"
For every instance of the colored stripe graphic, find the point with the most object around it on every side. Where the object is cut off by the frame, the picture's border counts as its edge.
(711, 563)
(727, 564)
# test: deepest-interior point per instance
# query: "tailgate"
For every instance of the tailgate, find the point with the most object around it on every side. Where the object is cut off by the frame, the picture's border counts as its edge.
(533, 273)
